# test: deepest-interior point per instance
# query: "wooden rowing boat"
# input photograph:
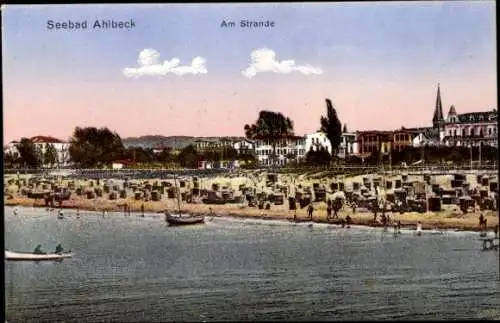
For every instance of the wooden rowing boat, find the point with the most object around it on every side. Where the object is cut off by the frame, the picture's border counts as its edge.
(27, 256)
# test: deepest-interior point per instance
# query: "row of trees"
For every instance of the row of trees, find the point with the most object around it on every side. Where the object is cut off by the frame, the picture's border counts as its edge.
(92, 147)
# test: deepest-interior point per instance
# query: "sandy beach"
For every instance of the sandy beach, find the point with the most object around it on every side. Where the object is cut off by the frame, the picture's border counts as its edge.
(450, 217)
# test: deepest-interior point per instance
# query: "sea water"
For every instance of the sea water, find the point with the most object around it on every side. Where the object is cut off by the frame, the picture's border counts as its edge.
(129, 268)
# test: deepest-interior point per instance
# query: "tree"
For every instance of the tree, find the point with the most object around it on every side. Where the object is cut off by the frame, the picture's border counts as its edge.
(229, 153)
(50, 155)
(28, 155)
(139, 155)
(332, 127)
(188, 157)
(92, 147)
(318, 157)
(271, 126)
(165, 156)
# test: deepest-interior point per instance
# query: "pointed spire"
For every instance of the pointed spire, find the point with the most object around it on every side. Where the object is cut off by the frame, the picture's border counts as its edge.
(438, 111)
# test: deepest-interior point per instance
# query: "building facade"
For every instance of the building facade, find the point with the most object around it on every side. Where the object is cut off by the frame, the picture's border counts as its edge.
(370, 142)
(317, 141)
(348, 146)
(288, 149)
(244, 146)
(61, 148)
(401, 139)
(471, 129)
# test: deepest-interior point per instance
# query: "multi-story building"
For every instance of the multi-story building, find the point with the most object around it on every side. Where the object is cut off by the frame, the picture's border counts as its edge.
(369, 142)
(61, 148)
(348, 146)
(218, 143)
(41, 144)
(287, 149)
(401, 139)
(471, 129)
(244, 146)
(317, 141)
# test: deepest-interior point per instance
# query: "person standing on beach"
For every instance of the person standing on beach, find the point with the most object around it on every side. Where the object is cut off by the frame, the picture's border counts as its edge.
(310, 210)
(482, 222)
(374, 209)
(328, 210)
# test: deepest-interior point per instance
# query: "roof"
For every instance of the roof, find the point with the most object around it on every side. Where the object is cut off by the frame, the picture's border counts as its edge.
(45, 139)
(374, 132)
(285, 137)
(438, 110)
(478, 117)
(452, 110)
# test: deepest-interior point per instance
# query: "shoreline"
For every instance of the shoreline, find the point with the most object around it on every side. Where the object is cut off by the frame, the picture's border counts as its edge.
(468, 222)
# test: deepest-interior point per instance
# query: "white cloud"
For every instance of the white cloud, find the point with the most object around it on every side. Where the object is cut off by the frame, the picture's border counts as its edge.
(150, 65)
(264, 60)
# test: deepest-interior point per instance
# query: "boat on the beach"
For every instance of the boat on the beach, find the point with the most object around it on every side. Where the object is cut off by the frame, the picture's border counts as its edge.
(183, 219)
(28, 256)
(180, 218)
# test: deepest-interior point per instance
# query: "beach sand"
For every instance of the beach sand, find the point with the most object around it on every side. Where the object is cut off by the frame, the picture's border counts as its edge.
(448, 218)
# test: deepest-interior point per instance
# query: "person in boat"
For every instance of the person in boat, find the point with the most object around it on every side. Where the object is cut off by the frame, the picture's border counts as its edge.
(59, 249)
(38, 250)
(310, 210)
(60, 212)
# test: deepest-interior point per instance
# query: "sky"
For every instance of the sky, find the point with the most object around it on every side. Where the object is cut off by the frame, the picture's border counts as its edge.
(178, 72)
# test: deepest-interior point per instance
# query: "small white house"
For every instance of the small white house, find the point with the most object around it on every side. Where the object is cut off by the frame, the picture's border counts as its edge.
(116, 165)
(318, 140)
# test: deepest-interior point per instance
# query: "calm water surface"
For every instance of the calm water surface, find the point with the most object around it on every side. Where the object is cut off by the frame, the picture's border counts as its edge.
(137, 269)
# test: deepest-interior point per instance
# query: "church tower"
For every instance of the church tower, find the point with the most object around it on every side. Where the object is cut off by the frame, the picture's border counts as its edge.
(438, 119)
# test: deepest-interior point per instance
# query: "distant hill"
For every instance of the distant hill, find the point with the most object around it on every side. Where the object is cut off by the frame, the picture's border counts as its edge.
(176, 142)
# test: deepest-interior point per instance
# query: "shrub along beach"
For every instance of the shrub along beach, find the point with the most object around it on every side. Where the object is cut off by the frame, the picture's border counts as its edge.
(454, 201)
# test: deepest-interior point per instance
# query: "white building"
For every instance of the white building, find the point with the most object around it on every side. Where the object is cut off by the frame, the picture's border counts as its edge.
(424, 139)
(471, 129)
(244, 146)
(287, 149)
(349, 145)
(61, 147)
(41, 143)
(11, 148)
(317, 141)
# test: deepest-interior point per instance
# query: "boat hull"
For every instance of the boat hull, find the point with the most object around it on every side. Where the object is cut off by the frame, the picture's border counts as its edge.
(173, 220)
(22, 256)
